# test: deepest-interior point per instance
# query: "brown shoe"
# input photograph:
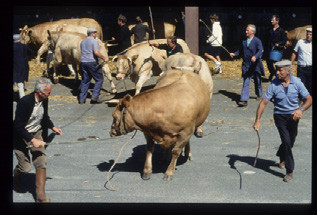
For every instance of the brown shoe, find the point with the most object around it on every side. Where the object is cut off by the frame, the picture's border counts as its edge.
(40, 186)
(288, 177)
(282, 165)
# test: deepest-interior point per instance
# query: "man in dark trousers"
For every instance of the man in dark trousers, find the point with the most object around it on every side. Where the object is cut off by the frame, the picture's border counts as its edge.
(20, 64)
(252, 66)
(275, 39)
(30, 128)
(285, 91)
(139, 31)
(124, 39)
(89, 48)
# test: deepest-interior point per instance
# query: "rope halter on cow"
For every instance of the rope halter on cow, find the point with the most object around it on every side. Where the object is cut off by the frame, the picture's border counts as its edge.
(120, 129)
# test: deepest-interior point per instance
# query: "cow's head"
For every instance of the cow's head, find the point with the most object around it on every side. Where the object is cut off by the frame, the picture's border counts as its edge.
(118, 126)
(123, 64)
(25, 35)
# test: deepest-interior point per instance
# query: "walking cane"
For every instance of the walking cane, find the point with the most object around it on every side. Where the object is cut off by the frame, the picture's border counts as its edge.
(214, 36)
(256, 157)
(152, 22)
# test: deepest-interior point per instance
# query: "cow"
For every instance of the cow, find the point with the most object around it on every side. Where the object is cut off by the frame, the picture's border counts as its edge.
(37, 34)
(66, 49)
(294, 35)
(167, 30)
(141, 61)
(195, 63)
(167, 115)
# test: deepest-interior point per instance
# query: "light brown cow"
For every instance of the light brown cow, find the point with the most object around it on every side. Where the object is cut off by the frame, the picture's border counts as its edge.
(37, 34)
(66, 49)
(166, 31)
(167, 114)
(294, 35)
(141, 61)
(195, 63)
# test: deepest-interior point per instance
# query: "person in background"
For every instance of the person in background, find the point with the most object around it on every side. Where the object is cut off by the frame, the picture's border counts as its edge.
(252, 66)
(139, 31)
(124, 39)
(20, 64)
(171, 47)
(30, 128)
(303, 49)
(214, 41)
(89, 66)
(275, 39)
(284, 91)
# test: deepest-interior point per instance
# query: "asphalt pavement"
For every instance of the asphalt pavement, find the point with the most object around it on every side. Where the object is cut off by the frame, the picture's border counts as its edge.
(221, 171)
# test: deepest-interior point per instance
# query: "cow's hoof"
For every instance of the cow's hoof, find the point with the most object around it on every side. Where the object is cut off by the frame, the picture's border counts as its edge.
(168, 177)
(56, 80)
(190, 158)
(199, 134)
(146, 176)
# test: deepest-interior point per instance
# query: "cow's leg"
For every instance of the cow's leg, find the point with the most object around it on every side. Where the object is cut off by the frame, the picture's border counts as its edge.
(147, 171)
(49, 58)
(142, 79)
(107, 73)
(199, 131)
(188, 154)
(72, 70)
(57, 62)
(41, 51)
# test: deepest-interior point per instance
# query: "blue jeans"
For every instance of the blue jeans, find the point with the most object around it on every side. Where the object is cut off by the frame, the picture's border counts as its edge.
(89, 71)
(305, 74)
(246, 85)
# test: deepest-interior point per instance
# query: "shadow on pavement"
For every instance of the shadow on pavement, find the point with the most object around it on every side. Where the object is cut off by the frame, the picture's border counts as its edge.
(135, 163)
(233, 96)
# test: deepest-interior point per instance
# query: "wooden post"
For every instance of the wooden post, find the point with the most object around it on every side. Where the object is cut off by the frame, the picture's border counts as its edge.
(192, 29)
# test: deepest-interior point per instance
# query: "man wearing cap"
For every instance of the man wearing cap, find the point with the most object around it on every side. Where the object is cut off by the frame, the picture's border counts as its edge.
(89, 66)
(285, 90)
(139, 31)
(304, 63)
(20, 64)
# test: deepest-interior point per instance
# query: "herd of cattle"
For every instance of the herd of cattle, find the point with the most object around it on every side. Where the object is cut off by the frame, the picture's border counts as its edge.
(170, 125)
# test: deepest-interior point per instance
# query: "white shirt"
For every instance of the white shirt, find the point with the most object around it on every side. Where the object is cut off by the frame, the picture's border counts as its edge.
(304, 50)
(34, 123)
(216, 38)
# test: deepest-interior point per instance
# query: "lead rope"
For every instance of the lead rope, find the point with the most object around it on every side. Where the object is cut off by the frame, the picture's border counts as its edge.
(113, 189)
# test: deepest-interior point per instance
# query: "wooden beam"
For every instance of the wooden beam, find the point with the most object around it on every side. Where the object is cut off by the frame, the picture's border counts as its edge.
(192, 29)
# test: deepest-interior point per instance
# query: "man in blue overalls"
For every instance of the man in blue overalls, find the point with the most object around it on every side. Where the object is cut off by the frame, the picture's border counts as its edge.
(88, 64)
(285, 91)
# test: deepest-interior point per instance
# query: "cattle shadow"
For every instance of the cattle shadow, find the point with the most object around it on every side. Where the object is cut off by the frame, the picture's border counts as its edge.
(262, 164)
(28, 184)
(135, 163)
(233, 96)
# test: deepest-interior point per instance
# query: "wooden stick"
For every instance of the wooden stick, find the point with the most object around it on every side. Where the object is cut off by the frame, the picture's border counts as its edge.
(256, 157)
(152, 22)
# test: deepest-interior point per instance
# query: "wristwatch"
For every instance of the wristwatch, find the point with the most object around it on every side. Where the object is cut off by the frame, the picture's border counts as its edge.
(302, 109)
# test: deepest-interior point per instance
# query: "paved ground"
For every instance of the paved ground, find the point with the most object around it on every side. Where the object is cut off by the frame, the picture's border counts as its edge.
(221, 172)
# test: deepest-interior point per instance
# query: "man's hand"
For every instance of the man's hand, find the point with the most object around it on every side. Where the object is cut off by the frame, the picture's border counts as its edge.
(256, 125)
(253, 59)
(37, 143)
(58, 131)
(297, 114)
(232, 55)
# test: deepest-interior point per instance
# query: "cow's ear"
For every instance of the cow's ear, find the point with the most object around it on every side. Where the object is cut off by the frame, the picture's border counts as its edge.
(134, 57)
(126, 101)
(29, 32)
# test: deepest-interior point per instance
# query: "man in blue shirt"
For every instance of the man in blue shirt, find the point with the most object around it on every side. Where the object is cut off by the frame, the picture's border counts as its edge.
(284, 90)
(88, 64)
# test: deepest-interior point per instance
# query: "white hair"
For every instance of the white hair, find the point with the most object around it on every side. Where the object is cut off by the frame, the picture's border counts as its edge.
(41, 84)
(252, 27)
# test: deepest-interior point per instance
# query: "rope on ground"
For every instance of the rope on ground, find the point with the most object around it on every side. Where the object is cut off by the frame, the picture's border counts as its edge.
(113, 189)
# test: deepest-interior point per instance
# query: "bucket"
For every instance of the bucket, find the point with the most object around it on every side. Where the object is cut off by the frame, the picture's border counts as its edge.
(275, 55)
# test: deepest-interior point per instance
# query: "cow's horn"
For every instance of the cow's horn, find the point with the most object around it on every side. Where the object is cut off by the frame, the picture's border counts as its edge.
(111, 44)
(114, 58)
(113, 101)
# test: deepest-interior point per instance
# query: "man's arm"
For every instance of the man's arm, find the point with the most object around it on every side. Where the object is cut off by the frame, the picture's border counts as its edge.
(259, 113)
(297, 115)
(98, 54)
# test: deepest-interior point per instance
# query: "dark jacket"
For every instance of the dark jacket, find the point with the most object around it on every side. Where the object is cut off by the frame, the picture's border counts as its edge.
(139, 31)
(20, 63)
(124, 39)
(255, 48)
(169, 51)
(22, 115)
(272, 37)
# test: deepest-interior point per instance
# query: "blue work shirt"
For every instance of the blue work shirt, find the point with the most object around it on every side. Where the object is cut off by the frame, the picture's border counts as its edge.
(286, 98)
(87, 47)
